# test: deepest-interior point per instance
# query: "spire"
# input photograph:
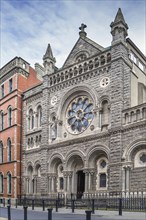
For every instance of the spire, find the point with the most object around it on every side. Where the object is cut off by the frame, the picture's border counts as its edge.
(48, 54)
(49, 61)
(119, 27)
(119, 16)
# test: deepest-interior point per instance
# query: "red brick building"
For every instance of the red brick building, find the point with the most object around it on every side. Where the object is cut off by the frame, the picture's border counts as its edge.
(15, 77)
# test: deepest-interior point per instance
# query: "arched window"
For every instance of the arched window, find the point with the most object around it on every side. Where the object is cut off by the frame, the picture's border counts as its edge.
(96, 62)
(144, 113)
(2, 120)
(60, 185)
(9, 145)
(102, 60)
(137, 114)
(1, 183)
(102, 173)
(31, 119)
(30, 182)
(39, 116)
(81, 57)
(10, 117)
(1, 152)
(126, 118)
(108, 57)
(9, 183)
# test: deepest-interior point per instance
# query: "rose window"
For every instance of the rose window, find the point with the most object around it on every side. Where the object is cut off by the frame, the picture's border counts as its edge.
(79, 114)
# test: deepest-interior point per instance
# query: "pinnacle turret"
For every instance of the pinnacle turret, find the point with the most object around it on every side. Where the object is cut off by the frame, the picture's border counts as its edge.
(49, 61)
(119, 27)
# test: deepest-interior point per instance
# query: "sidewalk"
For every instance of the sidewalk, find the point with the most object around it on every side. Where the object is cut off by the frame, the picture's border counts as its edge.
(99, 213)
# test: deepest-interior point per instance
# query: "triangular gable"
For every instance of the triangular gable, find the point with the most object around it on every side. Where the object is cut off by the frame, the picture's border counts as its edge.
(82, 46)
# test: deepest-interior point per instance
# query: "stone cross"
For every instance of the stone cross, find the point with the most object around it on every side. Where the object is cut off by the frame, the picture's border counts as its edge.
(83, 26)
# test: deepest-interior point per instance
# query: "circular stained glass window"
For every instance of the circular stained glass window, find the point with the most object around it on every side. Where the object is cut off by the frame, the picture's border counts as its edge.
(79, 114)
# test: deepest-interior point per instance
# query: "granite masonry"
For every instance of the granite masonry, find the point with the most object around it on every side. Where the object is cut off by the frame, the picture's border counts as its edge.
(85, 124)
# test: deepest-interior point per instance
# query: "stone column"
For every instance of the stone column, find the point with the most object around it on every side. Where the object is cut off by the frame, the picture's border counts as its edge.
(49, 184)
(86, 181)
(70, 182)
(65, 182)
(128, 178)
(54, 183)
(123, 179)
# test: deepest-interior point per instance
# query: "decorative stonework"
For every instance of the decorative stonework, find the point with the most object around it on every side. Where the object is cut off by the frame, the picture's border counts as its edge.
(105, 82)
(53, 100)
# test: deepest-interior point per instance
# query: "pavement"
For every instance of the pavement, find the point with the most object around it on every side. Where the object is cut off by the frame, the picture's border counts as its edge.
(99, 213)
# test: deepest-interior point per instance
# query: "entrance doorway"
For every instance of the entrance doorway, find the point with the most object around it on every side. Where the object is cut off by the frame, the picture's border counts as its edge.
(80, 183)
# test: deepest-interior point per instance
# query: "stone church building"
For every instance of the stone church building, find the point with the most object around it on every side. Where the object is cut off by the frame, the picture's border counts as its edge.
(85, 123)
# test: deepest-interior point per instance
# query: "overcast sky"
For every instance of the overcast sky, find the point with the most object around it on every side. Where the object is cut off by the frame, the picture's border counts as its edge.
(27, 26)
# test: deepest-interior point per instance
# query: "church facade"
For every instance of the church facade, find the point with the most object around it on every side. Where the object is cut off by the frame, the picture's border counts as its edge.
(85, 124)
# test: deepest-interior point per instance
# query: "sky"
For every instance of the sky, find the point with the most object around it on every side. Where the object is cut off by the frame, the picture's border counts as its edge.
(27, 26)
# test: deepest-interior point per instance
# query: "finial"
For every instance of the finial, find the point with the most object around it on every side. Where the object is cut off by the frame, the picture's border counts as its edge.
(82, 33)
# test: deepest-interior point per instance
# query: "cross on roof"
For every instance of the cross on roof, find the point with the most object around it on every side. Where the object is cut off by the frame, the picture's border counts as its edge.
(83, 26)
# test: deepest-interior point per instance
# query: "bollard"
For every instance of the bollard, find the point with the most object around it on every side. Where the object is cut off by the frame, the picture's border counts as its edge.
(56, 205)
(32, 204)
(50, 214)
(93, 206)
(43, 202)
(120, 206)
(25, 212)
(9, 212)
(73, 205)
(16, 203)
(88, 215)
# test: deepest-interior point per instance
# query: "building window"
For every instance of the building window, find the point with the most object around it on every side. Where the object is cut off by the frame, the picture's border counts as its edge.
(61, 183)
(31, 119)
(79, 114)
(2, 120)
(2, 90)
(39, 116)
(10, 85)
(102, 180)
(9, 150)
(9, 183)
(1, 153)
(1, 183)
(10, 117)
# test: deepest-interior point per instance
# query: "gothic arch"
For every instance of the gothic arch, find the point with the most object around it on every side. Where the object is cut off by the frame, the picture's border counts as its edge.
(129, 150)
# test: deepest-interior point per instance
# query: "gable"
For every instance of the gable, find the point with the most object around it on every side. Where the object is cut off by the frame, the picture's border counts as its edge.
(83, 49)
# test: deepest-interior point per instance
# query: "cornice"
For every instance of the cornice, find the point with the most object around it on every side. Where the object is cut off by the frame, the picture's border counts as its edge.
(33, 97)
(13, 71)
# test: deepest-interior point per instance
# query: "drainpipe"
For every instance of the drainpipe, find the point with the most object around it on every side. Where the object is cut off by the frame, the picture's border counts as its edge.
(21, 137)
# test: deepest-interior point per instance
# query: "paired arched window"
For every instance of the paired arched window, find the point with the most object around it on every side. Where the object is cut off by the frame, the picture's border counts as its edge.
(9, 117)
(9, 183)
(9, 145)
(1, 152)
(1, 183)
